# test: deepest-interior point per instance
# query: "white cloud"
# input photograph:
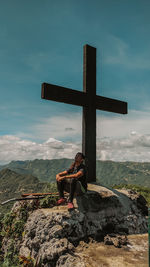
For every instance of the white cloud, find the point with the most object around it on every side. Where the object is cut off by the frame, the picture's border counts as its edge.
(14, 148)
(134, 147)
(119, 138)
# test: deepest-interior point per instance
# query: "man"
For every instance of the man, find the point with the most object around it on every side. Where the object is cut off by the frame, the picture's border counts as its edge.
(72, 180)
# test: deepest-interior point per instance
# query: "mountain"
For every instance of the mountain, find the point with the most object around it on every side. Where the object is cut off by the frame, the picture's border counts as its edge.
(113, 173)
(28, 176)
(13, 184)
(44, 170)
(109, 173)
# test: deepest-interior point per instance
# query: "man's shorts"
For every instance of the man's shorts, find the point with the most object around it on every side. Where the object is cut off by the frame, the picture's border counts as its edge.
(79, 188)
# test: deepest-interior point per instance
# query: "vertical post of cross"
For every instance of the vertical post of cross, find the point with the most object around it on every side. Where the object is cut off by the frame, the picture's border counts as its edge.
(89, 112)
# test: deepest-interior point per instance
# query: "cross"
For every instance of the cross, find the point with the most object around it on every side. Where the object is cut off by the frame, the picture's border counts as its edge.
(90, 102)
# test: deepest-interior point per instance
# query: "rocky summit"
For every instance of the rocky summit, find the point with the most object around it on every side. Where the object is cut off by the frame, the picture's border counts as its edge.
(50, 235)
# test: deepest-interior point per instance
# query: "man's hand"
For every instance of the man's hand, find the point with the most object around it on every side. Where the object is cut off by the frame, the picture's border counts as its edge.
(59, 178)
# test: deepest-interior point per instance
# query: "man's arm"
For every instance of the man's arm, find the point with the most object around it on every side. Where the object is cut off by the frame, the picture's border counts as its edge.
(76, 175)
(62, 173)
(65, 174)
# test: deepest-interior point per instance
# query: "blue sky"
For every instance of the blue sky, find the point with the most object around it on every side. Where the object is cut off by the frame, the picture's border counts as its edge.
(42, 41)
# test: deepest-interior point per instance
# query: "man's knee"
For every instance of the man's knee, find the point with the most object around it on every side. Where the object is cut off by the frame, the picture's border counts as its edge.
(60, 182)
(73, 180)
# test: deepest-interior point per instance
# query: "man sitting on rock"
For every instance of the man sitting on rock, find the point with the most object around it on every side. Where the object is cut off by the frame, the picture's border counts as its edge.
(72, 180)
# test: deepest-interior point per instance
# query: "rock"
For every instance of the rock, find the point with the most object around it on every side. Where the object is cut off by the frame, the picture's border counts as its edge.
(117, 241)
(51, 235)
(69, 260)
(138, 200)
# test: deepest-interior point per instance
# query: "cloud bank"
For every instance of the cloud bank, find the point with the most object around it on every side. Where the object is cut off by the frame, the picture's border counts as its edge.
(134, 147)
(119, 138)
(14, 148)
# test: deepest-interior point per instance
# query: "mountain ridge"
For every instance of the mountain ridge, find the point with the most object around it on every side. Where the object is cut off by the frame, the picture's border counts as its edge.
(39, 175)
(108, 172)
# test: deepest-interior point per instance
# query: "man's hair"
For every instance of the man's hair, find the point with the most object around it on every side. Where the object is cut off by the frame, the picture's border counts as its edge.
(81, 154)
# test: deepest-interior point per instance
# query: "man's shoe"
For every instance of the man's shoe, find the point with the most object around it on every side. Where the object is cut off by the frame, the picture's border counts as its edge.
(61, 201)
(70, 205)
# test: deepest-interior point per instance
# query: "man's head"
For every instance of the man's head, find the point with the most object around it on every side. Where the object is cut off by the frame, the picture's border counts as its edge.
(79, 157)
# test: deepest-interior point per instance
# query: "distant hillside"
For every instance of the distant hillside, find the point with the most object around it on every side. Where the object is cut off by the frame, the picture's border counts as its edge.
(44, 170)
(113, 173)
(109, 173)
(12, 185)
(21, 176)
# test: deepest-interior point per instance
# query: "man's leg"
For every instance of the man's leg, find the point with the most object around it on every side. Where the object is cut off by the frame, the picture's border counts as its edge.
(80, 190)
(60, 187)
(73, 182)
(74, 187)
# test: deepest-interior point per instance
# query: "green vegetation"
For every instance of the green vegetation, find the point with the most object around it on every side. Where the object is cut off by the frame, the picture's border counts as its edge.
(128, 175)
(14, 184)
(44, 170)
(19, 177)
(108, 172)
(12, 227)
(49, 201)
(111, 173)
(12, 230)
(11, 260)
(49, 187)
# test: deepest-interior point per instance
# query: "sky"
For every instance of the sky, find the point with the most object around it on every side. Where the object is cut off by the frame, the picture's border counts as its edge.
(42, 41)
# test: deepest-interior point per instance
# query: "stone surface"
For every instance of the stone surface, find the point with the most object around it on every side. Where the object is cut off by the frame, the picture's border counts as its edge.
(116, 240)
(51, 234)
(98, 254)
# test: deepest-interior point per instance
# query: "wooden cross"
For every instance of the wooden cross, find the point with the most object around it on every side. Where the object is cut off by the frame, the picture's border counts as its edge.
(90, 102)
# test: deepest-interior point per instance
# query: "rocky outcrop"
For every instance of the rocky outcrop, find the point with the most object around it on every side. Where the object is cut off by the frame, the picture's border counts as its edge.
(116, 240)
(51, 234)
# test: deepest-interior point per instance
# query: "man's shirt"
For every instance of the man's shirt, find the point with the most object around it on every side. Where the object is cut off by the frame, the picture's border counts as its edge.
(82, 178)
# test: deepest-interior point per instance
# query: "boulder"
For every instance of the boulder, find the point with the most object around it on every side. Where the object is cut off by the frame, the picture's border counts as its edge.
(51, 234)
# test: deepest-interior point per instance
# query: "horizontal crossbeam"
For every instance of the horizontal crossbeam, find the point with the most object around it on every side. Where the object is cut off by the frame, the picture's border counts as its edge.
(74, 97)
(62, 94)
(112, 105)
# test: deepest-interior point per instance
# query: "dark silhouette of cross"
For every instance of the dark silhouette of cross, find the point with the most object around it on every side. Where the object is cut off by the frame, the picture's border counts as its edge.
(90, 102)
